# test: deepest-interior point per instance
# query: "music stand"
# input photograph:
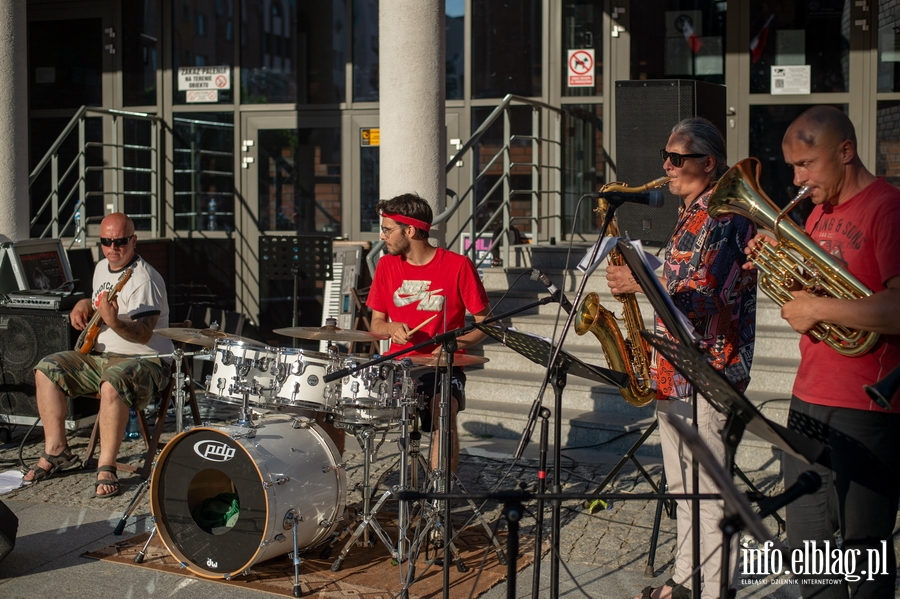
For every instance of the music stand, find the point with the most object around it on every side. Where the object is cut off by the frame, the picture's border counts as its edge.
(539, 350)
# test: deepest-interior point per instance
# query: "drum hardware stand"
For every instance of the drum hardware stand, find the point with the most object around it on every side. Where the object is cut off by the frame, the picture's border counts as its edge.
(291, 520)
(367, 519)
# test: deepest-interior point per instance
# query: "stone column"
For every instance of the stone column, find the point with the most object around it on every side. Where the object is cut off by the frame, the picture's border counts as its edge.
(14, 205)
(411, 42)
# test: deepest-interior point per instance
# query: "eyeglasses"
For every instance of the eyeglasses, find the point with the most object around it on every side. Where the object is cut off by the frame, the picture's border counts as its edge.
(118, 242)
(678, 159)
(386, 231)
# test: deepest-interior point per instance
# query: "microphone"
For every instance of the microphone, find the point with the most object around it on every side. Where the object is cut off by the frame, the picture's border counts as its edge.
(653, 198)
(808, 482)
(558, 295)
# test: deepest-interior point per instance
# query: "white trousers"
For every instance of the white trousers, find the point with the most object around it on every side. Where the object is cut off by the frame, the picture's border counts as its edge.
(677, 464)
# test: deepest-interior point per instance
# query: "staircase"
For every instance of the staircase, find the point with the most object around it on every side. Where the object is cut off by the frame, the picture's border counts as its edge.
(499, 394)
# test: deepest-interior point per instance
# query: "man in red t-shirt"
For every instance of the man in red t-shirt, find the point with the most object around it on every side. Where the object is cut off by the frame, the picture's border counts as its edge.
(856, 219)
(417, 283)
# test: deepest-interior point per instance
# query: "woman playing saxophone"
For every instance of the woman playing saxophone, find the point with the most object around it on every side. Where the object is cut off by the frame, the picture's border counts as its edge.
(702, 273)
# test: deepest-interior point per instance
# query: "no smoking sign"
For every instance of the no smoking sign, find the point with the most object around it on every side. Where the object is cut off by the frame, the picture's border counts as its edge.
(581, 68)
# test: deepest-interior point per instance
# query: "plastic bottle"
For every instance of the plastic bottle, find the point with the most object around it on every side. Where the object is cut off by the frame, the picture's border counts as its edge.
(211, 209)
(133, 429)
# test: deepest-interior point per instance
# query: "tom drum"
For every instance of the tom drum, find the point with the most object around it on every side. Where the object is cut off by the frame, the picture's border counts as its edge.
(239, 367)
(302, 373)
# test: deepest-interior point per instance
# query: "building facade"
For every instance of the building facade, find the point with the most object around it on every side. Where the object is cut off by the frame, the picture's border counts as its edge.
(270, 108)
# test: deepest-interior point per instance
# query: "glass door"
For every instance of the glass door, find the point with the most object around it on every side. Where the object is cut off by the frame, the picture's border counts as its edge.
(291, 182)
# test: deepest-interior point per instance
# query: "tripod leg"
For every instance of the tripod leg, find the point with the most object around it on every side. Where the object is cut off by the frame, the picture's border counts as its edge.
(479, 516)
(649, 569)
(592, 505)
(139, 558)
(138, 495)
(367, 521)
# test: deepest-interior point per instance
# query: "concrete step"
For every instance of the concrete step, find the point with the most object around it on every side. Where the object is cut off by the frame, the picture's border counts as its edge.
(612, 433)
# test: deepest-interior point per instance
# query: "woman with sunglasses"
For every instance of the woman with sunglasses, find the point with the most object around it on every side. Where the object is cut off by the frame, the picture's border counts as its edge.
(111, 368)
(703, 275)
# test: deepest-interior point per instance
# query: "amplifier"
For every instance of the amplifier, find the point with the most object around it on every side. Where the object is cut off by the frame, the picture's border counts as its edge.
(43, 300)
(26, 336)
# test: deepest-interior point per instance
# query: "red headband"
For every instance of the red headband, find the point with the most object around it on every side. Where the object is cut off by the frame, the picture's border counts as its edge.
(406, 220)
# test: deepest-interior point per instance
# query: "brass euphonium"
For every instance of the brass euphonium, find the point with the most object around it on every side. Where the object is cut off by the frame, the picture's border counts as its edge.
(630, 355)
(797, 259)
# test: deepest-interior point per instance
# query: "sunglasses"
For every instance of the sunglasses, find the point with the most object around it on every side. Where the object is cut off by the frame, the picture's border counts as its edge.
(118, 242)
(678, 159)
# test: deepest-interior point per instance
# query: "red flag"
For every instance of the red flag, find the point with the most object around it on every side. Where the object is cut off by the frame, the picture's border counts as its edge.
(689, 36)
(758, 43)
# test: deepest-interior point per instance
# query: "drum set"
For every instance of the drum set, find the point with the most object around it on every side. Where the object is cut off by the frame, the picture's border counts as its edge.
(272, 482)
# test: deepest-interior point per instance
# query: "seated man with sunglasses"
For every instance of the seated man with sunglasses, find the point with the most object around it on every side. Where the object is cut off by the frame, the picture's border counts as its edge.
(111, 368)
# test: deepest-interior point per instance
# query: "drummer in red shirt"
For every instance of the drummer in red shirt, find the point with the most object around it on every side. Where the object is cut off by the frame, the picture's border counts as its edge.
(416, 282)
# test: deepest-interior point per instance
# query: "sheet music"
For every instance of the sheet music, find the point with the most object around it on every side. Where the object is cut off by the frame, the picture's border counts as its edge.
(650, 262)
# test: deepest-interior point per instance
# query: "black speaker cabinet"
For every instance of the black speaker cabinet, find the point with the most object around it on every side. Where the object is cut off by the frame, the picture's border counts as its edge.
(646, 111)
(9, 526)
(26, 336)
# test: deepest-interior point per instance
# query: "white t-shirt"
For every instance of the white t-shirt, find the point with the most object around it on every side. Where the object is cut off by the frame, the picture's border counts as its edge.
(144, 294)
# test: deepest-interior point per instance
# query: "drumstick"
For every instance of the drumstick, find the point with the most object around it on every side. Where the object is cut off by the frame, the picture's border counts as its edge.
(423, 323)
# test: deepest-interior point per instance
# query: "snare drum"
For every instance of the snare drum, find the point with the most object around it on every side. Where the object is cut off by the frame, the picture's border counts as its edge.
(370, 396)
(302, 373)
(240, 367)
(288, 464)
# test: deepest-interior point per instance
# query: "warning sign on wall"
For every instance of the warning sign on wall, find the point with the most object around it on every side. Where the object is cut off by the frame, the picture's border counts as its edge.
(200, 78)
(581, 68)
(370, 137)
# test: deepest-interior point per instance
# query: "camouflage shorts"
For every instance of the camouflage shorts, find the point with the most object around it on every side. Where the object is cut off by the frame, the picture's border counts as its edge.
(136, 381)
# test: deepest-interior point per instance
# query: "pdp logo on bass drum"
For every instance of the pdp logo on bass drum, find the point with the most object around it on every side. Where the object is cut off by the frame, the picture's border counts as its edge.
(214, 451)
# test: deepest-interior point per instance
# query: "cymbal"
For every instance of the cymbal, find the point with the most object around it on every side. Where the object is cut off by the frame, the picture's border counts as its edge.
(204, 337)
(458, 360)
(328, 334)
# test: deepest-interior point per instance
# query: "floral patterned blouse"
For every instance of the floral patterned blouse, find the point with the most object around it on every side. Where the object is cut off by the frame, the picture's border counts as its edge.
(703, 274)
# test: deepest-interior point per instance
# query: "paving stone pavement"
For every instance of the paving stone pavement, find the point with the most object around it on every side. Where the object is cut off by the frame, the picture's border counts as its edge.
(606, 551)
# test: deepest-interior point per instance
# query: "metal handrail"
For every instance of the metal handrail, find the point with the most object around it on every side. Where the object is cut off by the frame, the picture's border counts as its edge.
(76, 171)
(542, 167)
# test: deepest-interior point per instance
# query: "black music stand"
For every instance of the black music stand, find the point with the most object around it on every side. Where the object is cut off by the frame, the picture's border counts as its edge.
(741, 415)
(540, 351)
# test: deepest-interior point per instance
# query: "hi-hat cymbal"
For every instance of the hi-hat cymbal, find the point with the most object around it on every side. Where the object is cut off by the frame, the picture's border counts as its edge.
(328, 334)
(458, 360)
(204, 337)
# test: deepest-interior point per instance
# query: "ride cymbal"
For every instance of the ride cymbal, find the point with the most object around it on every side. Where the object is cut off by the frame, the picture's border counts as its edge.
(458, 360)
(328, 333)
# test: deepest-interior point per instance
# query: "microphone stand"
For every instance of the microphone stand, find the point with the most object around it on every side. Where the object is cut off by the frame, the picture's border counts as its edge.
(560, 382)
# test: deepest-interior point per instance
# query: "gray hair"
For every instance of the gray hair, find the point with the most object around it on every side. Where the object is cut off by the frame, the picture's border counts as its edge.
(705, 138)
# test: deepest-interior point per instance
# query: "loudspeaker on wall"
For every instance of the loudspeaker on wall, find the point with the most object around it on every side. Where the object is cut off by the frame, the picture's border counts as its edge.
(646, 111)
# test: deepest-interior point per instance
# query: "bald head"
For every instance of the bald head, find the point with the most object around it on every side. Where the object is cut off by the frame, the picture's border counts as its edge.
(119, 222)
(821, 126)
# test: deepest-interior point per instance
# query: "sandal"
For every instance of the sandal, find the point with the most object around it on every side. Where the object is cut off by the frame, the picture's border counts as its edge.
(678, 591)
(107, 483)
(65, 460)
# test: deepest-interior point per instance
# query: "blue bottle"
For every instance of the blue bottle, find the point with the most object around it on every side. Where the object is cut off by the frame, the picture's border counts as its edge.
(133, 429)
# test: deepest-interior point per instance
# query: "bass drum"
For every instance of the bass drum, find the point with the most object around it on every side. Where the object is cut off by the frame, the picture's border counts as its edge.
(220, 497)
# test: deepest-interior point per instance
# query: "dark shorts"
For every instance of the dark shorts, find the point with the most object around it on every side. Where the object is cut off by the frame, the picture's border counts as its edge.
(136, 381)
(430, 385)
